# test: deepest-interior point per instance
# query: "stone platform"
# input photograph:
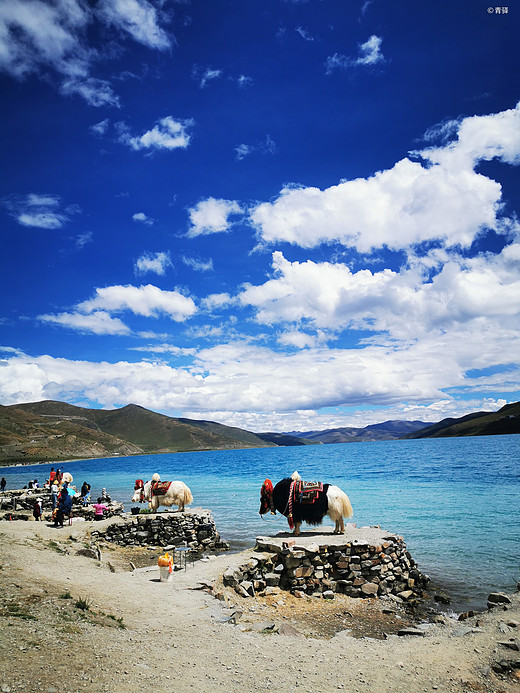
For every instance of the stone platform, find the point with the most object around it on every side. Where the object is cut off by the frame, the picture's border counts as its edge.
(325, 536)
(362, 562)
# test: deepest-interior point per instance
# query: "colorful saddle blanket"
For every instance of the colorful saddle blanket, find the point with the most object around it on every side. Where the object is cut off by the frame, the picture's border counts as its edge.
(307, 491)
(160, 488)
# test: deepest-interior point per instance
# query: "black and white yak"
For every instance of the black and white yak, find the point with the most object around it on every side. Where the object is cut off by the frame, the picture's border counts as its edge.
(308, 502)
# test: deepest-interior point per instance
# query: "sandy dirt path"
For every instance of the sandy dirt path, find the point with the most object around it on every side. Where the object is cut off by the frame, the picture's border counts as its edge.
(74, 623)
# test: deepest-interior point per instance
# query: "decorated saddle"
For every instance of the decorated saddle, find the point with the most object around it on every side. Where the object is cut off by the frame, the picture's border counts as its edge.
(307, 491)
(160, 488)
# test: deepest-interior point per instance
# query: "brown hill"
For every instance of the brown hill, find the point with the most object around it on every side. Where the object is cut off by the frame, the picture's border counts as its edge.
(501, 422)
(51, 430)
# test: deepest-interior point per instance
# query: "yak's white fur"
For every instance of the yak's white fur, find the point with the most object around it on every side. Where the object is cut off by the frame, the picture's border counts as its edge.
(178, 494)
(339, 504)
(339, 508)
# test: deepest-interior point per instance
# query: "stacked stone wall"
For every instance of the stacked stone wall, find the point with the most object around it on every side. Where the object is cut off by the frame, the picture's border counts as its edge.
(356, 569)
(194, 529)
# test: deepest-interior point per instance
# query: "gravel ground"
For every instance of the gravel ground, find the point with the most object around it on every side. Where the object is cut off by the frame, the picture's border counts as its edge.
(72, 622)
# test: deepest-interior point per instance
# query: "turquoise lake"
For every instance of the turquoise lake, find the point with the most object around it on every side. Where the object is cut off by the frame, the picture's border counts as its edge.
(456, 501)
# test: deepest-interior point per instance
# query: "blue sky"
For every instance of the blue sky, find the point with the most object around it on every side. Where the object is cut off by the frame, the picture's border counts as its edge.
(275, 214)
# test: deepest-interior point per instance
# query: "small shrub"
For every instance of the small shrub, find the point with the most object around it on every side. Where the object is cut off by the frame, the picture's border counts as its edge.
(83, 604)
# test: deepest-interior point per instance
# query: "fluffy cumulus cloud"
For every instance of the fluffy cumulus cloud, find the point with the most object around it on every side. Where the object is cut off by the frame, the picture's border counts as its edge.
(96, 314)
(51, 37)
(440, 198)
(167, 133)
(478, 292)
(142, 218)
(212, 216)
(153, 262)
(148, 300)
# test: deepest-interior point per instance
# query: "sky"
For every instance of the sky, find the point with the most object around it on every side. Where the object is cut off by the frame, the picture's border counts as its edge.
(275, 214)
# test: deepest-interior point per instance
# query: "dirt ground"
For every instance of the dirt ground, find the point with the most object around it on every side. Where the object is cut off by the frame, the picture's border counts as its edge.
(73, 622)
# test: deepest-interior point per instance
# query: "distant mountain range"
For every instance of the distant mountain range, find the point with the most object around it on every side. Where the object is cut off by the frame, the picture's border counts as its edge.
(389, 430)
(49, 430)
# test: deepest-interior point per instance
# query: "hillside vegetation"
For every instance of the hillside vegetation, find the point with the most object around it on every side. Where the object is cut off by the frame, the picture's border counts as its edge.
(502, 422)
(52, 430)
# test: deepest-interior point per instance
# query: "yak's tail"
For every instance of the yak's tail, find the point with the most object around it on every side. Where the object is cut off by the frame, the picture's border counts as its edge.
(295, 476)
(339, 504)
(188, 498)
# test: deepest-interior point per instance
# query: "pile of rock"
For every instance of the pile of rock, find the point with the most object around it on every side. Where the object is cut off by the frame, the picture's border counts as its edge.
(194, 529)
(324, 565)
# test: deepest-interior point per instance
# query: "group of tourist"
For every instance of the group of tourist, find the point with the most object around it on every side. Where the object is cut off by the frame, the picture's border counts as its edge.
(62, 494)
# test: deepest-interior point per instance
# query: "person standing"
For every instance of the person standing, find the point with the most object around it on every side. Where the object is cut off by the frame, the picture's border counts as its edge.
(38, 509)
(3, 484)
(54, 494)
(64, 507)
(99, 508)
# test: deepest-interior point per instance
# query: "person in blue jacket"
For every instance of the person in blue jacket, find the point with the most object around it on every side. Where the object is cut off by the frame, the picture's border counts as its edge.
(64, 507)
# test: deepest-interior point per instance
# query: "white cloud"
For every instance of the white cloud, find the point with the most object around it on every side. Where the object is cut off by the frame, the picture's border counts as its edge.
(39, 34)
(204, 75)
(268, 146)
(213, 301)
(42, 37)
(96, 92)
(442, 199)
(236, 379)
(369, 54)
(100, 128)
(148, 300)
(463, 295)
(40, 211)
(244, 81)
(495, 136)
(157, 263)
(243, 150)
(400, 207)
(212, 216)
(370, 51)
(300, 340)
(98, 322)
(198, 265)
(138, 18)
(142, 218)
(304, 33)
(165, 348)
(167, 133)
(82, 240)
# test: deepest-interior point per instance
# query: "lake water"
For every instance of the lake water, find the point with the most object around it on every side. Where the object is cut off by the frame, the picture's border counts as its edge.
(455, 501)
